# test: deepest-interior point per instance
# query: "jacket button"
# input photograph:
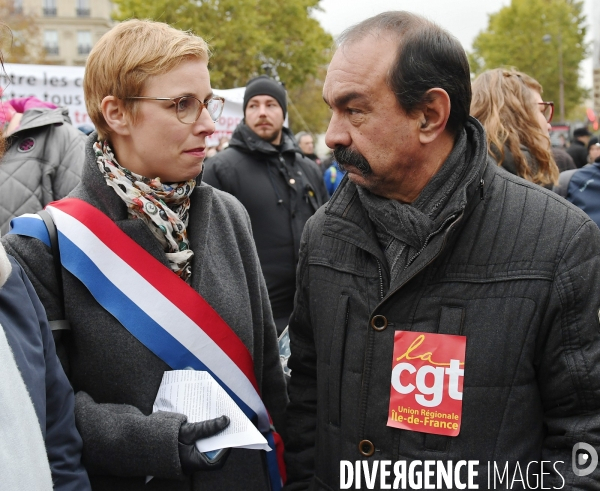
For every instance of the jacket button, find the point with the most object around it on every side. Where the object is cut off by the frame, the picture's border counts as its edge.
(379, 322)
(366, 448)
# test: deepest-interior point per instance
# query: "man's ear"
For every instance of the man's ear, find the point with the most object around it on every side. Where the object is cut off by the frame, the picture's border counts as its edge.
(115, 116)
(435, 114)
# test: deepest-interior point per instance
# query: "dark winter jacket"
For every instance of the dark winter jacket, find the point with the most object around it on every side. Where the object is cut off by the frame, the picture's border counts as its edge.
(42, 163)
(280, 190)
(24, 322)
(579, 152)
(509, 164)
(116, 378)
(563, 160)
(317, 160)
(512, 267)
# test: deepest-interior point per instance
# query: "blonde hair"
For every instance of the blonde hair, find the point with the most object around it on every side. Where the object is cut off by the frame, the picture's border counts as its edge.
(126, 56)
(503, 102)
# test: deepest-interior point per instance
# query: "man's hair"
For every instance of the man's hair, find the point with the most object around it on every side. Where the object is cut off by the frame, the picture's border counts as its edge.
(301, 134)
(427, 57)
(504, 103)
(126, 56)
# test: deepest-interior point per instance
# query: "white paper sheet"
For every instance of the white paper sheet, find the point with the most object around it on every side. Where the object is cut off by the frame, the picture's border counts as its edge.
(197, 395)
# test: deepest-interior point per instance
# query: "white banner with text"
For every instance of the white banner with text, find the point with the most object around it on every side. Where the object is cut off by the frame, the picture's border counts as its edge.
(63, 86)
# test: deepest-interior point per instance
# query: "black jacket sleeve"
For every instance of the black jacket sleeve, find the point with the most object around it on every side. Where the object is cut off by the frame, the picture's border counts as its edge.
(569, 361)
(301, 414)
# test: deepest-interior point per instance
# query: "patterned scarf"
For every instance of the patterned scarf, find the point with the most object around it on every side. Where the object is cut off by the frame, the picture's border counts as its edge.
(163, 207)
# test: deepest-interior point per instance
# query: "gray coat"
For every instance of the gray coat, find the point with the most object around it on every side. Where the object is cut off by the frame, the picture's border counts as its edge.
(42, 164)
(116, 378)
(513, 267)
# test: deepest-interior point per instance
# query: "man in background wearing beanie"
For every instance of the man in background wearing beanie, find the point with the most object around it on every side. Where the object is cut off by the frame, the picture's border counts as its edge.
(578, 149)
(280, 188)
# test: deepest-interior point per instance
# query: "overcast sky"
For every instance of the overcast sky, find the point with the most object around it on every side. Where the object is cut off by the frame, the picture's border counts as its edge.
(463, 18)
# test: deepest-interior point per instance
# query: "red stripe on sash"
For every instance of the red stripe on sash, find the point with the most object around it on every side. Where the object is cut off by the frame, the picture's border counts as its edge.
(182, 295)
(279, 448)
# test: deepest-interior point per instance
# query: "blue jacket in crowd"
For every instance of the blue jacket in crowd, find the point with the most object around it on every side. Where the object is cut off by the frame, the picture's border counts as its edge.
(29, 336)
(584, 190)
(332, 177)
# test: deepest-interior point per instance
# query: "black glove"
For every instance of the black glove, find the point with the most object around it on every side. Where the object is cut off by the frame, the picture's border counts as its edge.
(192, 460)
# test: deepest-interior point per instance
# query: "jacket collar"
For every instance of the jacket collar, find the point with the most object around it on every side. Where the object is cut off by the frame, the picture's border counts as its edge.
(247, 140)
(94, 186)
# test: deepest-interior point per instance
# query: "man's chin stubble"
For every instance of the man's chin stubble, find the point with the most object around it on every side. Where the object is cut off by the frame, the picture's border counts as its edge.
(271, 137)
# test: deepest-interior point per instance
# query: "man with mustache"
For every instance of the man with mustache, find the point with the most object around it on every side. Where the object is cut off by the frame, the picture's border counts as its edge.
(264, 168)
(427, 237)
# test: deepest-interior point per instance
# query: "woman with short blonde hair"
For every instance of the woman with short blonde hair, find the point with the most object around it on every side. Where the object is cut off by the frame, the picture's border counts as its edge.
(509, 105)
(114, 68)
(159, 273)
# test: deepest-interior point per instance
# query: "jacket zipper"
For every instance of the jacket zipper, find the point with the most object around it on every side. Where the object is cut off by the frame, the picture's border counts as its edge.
(380, 280)
(412, 260)
(451, 217)
(362, 387)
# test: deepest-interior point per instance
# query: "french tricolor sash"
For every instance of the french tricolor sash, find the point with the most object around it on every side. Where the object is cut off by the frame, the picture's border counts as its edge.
(163, 312)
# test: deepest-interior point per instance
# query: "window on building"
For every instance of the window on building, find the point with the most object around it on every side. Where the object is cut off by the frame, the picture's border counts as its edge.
(83, 8)
(84, 42)
(51, 42)
(49, 8)
(18, 6)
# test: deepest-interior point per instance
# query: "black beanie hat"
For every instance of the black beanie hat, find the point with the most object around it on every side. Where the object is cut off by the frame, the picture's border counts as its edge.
(581, 132)
(264, 85)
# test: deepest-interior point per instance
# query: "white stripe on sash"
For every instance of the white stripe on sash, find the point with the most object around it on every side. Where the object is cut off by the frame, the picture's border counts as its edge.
(161, 310)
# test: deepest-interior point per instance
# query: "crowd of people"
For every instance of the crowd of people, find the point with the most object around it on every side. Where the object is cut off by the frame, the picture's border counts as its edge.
(440, 212)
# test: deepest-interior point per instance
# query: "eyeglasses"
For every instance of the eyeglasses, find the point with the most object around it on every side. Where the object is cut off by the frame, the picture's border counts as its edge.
(189, 108)
(548, 110)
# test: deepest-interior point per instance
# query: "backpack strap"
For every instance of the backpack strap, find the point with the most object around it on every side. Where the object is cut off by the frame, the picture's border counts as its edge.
(58, 325)
(310, 194)
(564, 179)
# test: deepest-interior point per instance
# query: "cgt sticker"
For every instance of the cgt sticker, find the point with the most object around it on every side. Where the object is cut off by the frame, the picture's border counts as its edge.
(427, 382)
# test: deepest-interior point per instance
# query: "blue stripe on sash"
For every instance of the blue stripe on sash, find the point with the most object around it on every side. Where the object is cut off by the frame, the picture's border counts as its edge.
(272, 464)
(134, 319)
(31, 227)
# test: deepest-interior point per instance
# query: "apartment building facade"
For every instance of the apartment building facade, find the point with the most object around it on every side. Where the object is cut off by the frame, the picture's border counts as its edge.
(596, 56)
(69, 28)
